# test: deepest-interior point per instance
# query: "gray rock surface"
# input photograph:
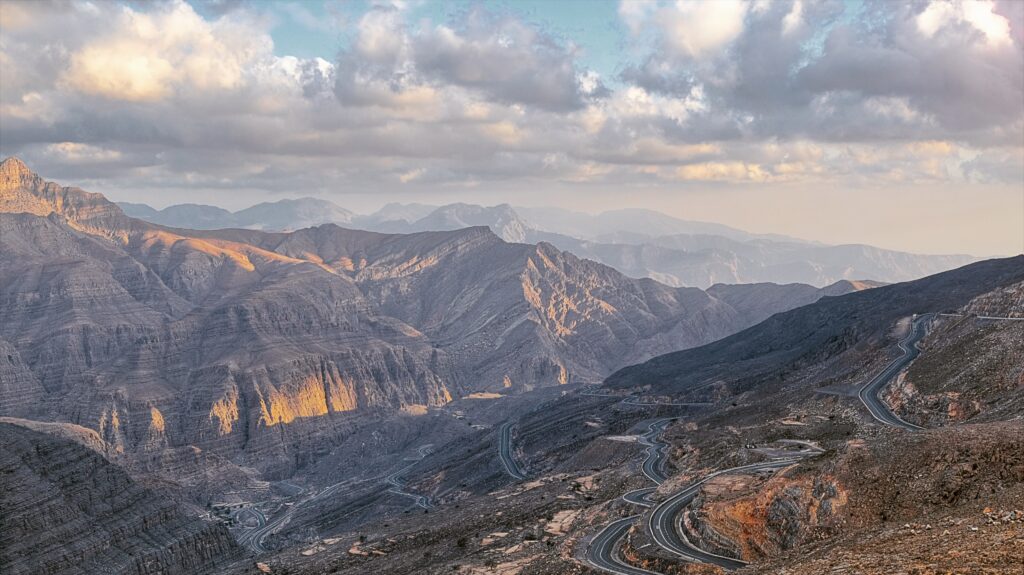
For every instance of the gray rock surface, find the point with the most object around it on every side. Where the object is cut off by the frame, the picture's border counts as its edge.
(245, 343)
(67, 510)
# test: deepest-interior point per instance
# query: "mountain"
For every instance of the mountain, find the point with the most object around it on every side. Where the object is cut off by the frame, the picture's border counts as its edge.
(245, 343)
(405, 403)
(703, 260)
(706, 254)
(273, 216)
(291, 215)
(780, 466)
(639, 223)
(394, 212)
(501, 219)
(825, 327)
(57, 491)
(638, 243)
(195, 216)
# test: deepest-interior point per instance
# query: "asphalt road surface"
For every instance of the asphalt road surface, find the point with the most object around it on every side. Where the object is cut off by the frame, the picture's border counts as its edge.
(641, 497)
(505, 452)
(254, 538)
(397, 481)
(869, 393)
(603, 552)
(654, 463)
(662, 521)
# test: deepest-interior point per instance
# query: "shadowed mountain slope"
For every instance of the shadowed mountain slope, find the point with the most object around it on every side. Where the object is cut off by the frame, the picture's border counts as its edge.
(824, 328)
(67, 510)
(244, 342)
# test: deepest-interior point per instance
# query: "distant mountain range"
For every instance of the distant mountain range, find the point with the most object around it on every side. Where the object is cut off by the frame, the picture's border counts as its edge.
(637, 242)
(270, 216)
(163, 337)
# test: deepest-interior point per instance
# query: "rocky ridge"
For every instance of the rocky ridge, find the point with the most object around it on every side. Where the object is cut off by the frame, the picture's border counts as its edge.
(246, 344)
(69, 511)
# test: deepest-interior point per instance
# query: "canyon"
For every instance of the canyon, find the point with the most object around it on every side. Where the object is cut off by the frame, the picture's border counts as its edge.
(247, 344)
(424, 400)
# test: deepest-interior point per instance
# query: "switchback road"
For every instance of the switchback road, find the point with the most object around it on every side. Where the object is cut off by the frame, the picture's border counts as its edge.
(654, 463)
(662, 521)
(603, 552)
(397, 481)
(869, 394)
(254, 538)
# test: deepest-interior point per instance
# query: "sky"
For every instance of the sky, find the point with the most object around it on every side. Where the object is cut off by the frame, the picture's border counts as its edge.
(846, 121)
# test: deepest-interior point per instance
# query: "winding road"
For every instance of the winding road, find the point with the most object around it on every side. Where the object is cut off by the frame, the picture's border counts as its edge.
(247, 538)
(505, 453)
(661, 523)
(654, 464)
(254, 538)
(397, 481)
(603, 551)
(869, 394)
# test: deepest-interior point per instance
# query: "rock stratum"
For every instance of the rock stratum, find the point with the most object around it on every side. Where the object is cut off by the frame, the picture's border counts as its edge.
(245, 343)
(67, 510)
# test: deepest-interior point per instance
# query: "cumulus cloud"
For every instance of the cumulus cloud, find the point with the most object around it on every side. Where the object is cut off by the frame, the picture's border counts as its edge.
(894, 72)
(147, 56)
(746, 93)
(502, 59)
(694, 27)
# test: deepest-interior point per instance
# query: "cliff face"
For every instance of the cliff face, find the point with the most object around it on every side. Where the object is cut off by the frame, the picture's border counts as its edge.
(67, 510)
(22, 191)
(157, 343)
(242, 343)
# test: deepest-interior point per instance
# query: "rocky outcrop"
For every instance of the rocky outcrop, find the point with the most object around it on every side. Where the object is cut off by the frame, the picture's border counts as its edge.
(67, 510)
(1007, 301)
(738, 516)
(21, 394)
(969, 370)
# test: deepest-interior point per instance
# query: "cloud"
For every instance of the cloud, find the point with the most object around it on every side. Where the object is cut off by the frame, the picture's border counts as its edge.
(502, 59)
(726, 171)
(159, 96)
(74, 152)
(920, 71)
(148, 56)
(695, 27)
(981, 15)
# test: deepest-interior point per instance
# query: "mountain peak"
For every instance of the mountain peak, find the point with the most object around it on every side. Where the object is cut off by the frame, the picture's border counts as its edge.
(13, 165)
(12, 172)
(23, 191)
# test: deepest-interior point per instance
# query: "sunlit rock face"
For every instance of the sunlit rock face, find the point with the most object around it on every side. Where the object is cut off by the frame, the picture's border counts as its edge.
(242, 342)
